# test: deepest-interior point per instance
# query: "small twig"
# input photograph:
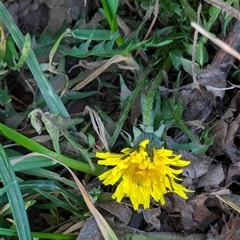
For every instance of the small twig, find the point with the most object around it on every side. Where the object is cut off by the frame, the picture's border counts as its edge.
(217, 41)
(226, 8)
(98, 71)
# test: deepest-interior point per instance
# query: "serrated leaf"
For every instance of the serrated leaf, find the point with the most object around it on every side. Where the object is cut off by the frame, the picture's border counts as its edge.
(94, 34)
(193, 147)
(106, 48)
(189, 11)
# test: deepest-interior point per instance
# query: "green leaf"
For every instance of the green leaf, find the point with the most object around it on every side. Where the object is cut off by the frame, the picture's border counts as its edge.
(94, 34)
(201, 54)
(125, 108)
(170, 8)
(46, 41)
(187, 66)
(176, 56)
(71, 95)
(31, 163)
(191, 14)
(178, 60)
(44, 173)
(54, 186)
(4, 189)
(39, 235)
(25, 52)
(4, 97)
(110, 9)
(196, 148)
(106, 48)
(60, 203)
(11, 52)
(125, 92)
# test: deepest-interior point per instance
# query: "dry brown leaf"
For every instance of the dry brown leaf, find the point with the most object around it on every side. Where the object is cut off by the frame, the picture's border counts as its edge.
(90, 231)
(220, 133)
(203, 217)
(97, 125)
(151, 217)
(213, 177)
(65, 10)
(233, 170)
(201, 198)
(187, 217)
(121, 211)
(199, 164)
(232, 129)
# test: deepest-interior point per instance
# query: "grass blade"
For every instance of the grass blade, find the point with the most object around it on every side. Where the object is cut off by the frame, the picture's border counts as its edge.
(36, 147)
(15, 197)
(52, 100)
(40, 235)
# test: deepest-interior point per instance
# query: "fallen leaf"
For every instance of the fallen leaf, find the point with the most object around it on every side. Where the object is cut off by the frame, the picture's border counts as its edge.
(187, 217)
(233, 170)
(213, 177)
(151, 217)
(90, 231)
(121, 211)
(203, 217)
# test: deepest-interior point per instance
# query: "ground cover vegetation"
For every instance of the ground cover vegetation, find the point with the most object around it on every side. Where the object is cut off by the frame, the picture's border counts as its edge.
(119, 119)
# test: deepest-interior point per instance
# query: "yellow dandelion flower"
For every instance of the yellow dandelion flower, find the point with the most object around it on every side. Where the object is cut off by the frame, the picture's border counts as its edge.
(141, 176)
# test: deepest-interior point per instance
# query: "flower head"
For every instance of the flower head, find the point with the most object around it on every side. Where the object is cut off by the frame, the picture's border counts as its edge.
(142, 175)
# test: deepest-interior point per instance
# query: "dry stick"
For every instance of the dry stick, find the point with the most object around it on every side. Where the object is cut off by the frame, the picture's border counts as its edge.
(226, 8)
(195, 82)
(216, 40)
(91, 77)
(155, 14)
